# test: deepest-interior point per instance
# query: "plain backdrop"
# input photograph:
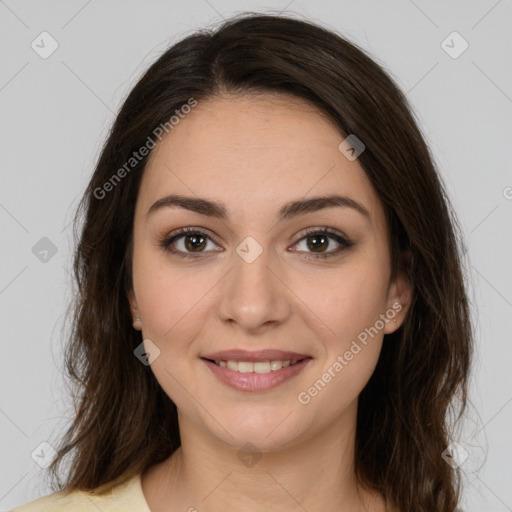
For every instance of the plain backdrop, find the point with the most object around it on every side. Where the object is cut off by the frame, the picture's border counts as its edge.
(55, 113)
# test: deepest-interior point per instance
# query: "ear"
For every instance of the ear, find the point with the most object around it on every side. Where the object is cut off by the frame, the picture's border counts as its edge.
(134, 308)
(399, 299)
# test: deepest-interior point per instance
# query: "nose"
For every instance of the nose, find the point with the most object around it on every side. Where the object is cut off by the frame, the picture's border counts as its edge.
(254, 294)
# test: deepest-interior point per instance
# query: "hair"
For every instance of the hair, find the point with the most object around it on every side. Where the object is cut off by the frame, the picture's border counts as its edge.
(124, 422)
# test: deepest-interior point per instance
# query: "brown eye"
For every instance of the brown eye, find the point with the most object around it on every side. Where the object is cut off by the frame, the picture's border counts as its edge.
(194, 242)
(318, 241)
(186, 242)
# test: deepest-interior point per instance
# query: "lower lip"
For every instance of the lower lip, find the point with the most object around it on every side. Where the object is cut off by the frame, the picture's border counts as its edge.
(256, 381)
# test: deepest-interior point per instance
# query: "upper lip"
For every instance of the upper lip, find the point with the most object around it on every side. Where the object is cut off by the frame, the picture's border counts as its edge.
(259, 355)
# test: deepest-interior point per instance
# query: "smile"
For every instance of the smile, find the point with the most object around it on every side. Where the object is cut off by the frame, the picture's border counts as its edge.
(257, 366)
(255, 375)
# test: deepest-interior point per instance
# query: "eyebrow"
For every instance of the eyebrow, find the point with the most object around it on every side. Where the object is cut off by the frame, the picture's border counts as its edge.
(288, 211)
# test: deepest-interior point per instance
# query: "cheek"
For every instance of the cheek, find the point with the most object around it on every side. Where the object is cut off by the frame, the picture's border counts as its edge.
(350, 304)
(331, 393)
(173, 305)
(164, 294)
(347, 300)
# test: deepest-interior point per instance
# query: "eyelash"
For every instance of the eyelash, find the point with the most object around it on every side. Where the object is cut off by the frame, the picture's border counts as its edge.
(344, 242)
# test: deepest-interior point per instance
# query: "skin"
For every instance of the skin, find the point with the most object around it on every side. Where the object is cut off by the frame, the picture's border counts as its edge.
(254, 154)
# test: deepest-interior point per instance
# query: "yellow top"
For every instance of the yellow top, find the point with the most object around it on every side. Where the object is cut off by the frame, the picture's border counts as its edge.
(127, 497)
(123, 498)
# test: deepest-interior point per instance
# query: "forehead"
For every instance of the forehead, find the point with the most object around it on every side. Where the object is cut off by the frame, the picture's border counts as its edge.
(257, 150)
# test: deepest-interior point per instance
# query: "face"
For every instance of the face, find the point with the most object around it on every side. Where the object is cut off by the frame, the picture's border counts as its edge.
(309, 282)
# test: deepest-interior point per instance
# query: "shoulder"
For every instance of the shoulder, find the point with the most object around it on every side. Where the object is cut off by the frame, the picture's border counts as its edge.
(127, 497)
(60, 502)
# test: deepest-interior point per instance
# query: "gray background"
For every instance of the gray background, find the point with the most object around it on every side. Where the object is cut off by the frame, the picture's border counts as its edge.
(55, 115)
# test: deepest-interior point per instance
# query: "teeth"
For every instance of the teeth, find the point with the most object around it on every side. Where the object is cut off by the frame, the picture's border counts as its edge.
(244, 367)
(260, 367)
(276, 365)
(257, 367)
(232, 365)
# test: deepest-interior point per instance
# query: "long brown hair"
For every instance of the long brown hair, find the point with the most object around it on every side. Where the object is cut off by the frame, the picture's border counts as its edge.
(124, 422)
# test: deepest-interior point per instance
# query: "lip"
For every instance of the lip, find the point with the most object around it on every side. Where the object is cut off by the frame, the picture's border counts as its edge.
(259, 355)
(257, 381)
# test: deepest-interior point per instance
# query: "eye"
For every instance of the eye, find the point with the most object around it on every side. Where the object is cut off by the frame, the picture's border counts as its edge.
(319, 239)
(193, 243)
(187, 241)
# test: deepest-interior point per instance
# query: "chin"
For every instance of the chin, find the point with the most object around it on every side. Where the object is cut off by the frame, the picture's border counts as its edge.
(262, 433)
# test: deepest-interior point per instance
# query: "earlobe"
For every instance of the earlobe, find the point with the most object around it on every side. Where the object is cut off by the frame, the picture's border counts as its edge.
(137, 324)
(399, 300)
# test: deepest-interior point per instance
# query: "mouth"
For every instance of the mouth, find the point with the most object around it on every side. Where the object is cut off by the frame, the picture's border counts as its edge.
(255, 371)
(255, 366)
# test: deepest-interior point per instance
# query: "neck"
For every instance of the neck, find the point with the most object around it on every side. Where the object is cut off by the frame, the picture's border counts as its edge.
(206, 475)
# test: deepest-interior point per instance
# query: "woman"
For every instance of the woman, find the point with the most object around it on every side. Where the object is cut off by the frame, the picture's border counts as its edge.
(271, 312)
